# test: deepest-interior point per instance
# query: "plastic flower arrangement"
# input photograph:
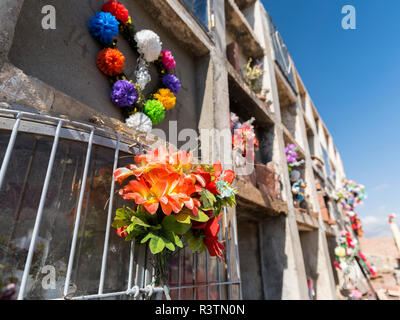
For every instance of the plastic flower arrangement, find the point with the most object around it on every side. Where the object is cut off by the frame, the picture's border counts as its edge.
(174, 201)
(252, 75)
(292, 156)
(127, 94)
(355, 294)
(243, 136)
(350, 196)
(347, 252)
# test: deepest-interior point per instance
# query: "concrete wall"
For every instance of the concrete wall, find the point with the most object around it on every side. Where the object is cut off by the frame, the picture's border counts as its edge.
(65, 58)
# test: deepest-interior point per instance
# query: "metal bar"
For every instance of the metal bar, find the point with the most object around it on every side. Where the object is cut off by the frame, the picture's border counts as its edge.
(206, 285)
(235, 240)
(194, 271)
(112, 294)
(218, 267)
(261, 253)
(39, 214)
(208, 289)
(131, 264)
(82, 125)
(107, 236)
(89, 192)
(10, 148)
(78, 215)
(179, 274)
(228, 257)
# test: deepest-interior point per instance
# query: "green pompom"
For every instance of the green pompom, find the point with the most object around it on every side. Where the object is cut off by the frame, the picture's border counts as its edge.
(155, 110)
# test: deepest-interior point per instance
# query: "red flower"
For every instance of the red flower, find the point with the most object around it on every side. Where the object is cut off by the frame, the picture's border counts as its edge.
(117, 9)
(121, 232)
(211, 231)
(205, 178)
(337, 265)
(361, 255)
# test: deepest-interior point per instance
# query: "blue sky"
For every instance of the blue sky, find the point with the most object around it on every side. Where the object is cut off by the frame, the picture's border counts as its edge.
(353, 77)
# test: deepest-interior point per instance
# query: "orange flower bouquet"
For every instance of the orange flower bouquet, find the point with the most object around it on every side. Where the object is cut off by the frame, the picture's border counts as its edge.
(174, 202)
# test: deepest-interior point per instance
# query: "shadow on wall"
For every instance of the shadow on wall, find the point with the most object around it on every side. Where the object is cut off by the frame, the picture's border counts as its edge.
(309, 245)
(262, 257)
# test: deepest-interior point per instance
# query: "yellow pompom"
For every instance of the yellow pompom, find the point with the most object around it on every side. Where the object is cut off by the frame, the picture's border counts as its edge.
(166, 97)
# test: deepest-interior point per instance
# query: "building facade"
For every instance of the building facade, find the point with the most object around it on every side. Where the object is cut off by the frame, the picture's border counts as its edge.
(60, 131)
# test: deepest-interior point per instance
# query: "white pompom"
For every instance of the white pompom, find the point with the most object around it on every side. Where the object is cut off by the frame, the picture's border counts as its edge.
(139, 121)
(149, 44)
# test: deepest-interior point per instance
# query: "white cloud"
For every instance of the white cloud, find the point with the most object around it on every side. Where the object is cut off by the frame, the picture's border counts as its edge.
(380, 187)
(376, 227)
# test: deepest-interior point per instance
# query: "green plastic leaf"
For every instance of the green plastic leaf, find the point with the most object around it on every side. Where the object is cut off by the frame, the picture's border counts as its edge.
(157, 244)
(182, 217)
(171, 236)
(201, 217)
(119, 224)
(148, 236)
(140, 222)
(208, 199)
(170, 224)
(168, 244)
(194, 242)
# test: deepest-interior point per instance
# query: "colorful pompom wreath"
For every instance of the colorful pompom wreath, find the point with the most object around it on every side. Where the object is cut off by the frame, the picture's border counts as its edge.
(155, 110)
(111, 61)
(105, 26)
(124, 93)
(117, 9)
(166, 97)
(168, 60)
(172, 83)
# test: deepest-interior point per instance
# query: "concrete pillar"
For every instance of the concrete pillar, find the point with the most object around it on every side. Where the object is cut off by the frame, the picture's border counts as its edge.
(294, 281)
(9, 13)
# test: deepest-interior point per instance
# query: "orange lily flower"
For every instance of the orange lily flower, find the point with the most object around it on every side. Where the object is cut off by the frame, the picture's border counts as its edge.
(150, 198)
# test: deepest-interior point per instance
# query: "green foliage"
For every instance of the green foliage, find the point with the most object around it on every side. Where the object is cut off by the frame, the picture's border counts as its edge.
(195, 242)
(208, 200)
(170, 224)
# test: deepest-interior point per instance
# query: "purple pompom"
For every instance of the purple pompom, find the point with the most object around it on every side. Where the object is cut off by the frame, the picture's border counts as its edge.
(172, 83)
(124, 94)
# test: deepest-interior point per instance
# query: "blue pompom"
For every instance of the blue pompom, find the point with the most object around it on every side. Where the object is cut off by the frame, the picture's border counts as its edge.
(103, 27)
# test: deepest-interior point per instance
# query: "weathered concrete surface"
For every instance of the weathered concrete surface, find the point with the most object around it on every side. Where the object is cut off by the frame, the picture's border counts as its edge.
(253, 199)
(252, 282)
(9, 13)
(18, 88)
(244, 4)
(240, 28)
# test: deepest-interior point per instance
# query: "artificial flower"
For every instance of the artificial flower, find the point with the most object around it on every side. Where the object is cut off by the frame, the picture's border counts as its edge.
(166, 97)
(172, 83)
(104, 27)
(168, 60)
(121, 232)
(140, 122)
(111, 61)
(155, 110)
(124, 93)
(214, 246)
(149, 44)
(356, 294)
(340, 251)
(142, 194)
(117, 9)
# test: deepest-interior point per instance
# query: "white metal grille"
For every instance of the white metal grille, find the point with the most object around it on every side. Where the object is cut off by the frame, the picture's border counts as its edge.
(193, 276)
